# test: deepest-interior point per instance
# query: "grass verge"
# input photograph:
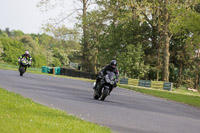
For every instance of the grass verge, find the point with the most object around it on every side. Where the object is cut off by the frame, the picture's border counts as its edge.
(193, 100)
(22, 115)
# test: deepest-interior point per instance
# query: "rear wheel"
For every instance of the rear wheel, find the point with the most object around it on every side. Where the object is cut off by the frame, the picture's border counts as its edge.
(96, 96)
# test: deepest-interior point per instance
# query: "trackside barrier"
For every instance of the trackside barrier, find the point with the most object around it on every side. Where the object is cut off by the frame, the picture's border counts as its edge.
(147, 83)
(77, 73)
(50, 70)
(68, 72)
(157, 84)
(134, 82)
(44, 69)
(167, 86)
(56, 70)
(123, 80)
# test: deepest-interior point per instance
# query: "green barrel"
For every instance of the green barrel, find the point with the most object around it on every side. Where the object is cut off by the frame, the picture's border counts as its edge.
(57, 70)
(50, 70)
(44, 69)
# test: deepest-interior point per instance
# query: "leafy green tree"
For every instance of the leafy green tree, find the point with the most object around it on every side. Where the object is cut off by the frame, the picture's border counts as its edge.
(1, 52)
(17, 33)
(3, 34)
(39, 60)
(181, 53)
(56, 62)
(12, 50)
(131, 62)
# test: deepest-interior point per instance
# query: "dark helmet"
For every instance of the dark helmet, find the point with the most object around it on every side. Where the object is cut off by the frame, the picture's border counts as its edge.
(113, 63)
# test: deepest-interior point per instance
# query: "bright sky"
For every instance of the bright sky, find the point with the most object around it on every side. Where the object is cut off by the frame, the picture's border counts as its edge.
(24, 15)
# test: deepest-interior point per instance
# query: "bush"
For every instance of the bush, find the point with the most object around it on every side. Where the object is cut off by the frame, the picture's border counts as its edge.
(12, 50)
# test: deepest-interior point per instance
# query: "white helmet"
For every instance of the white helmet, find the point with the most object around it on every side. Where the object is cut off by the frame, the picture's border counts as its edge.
(26, 52)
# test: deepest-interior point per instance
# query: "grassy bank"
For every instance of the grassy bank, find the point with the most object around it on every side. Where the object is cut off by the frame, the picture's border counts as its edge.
(189, 98)
(13, 67)
(22, 115)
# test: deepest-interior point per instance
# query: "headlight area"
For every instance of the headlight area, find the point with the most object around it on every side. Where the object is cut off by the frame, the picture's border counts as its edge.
(107, 79)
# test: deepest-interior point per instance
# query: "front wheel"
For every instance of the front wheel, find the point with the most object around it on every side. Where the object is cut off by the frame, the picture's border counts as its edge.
(21, 74)
(96, 96)
(21, 71)
(97, 92)
(104, 94)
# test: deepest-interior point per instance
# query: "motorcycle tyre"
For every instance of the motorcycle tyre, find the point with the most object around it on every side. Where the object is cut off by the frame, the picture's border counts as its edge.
(21, 71)
(104, 94)
(97, 92)
(96, 96)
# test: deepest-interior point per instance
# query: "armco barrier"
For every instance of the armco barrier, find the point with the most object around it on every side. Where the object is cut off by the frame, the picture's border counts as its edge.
(77, 73)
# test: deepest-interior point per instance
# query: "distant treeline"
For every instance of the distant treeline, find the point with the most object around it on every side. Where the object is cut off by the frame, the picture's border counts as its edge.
(44, 49)
(152, 40)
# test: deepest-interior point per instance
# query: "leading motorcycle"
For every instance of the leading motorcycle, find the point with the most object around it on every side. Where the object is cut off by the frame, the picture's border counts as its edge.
(23, 66)
(105, 86)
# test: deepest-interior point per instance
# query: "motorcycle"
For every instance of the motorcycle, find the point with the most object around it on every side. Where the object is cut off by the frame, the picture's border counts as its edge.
(105, 86)
(23, 66)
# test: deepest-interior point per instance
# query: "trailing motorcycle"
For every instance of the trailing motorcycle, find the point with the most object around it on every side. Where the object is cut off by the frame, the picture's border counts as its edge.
(23, 66)
(105, 86)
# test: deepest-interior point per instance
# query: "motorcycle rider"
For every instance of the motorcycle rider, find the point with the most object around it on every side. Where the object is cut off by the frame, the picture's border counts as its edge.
(112, 67)
(28, 57)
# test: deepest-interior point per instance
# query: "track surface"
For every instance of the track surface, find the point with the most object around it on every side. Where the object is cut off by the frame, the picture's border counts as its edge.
(124, 111)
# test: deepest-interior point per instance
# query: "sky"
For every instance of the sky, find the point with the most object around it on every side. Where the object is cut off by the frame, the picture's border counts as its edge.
(24, 15)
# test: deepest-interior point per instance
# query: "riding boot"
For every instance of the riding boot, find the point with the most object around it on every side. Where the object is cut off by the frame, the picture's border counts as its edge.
(95, 86)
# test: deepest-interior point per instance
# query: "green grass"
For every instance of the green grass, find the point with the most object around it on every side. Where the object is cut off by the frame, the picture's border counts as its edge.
(14, 67)
(22, 115)
(182, 97)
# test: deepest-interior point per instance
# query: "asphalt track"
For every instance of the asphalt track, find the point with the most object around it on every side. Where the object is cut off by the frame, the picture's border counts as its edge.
(124, 111)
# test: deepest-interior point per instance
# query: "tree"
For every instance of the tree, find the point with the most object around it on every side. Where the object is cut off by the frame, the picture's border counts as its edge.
(1, 51)
(12, 50)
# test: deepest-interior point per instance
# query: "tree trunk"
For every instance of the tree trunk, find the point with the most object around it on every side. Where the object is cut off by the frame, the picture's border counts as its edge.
(179, 75)
(166, 58)
(196, 84)
(87, 58)
(84, 40)
(166, 40)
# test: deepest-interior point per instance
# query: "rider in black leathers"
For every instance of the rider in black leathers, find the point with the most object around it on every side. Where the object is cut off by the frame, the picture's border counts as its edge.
(111, 67)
